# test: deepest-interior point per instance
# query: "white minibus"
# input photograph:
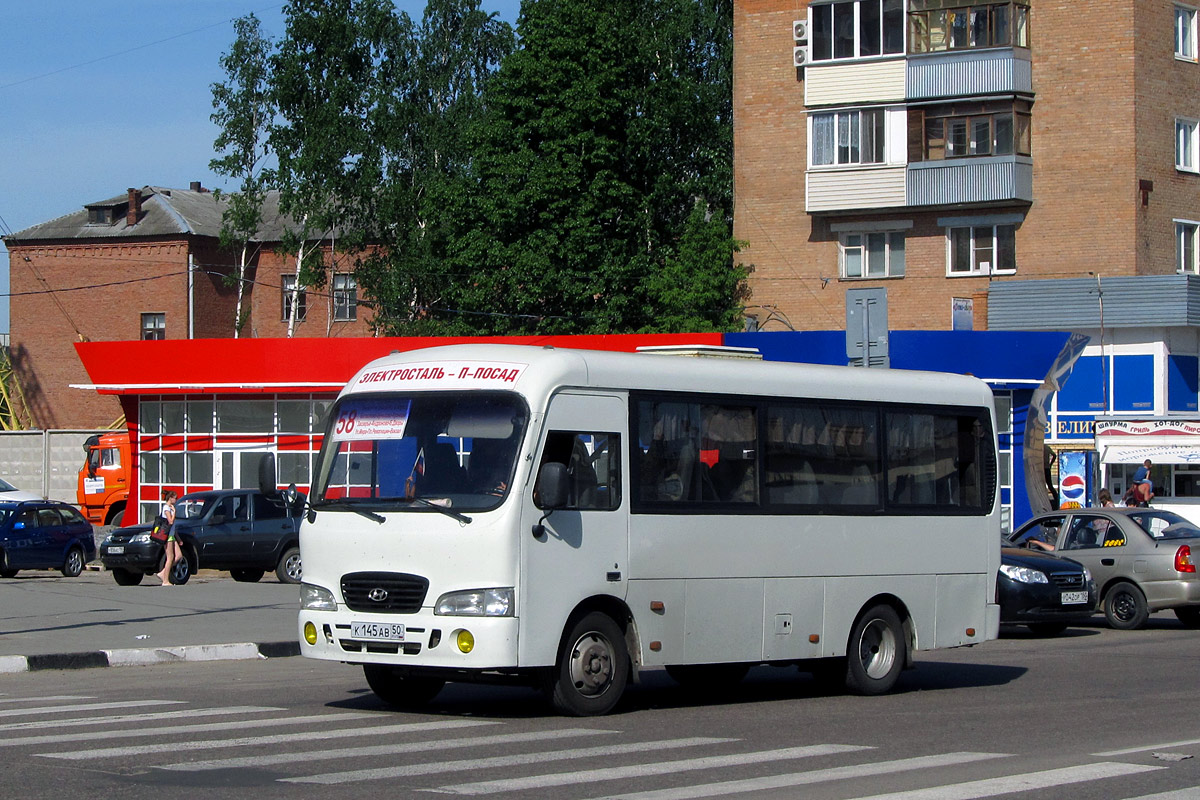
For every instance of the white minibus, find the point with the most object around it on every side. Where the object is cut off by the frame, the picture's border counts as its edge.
(568, 517)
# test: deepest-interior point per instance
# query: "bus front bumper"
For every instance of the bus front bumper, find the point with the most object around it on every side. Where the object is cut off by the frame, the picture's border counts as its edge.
(418, 640)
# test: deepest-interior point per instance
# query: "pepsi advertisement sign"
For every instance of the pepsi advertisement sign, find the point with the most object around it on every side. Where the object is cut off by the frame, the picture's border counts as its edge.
(1073, 479)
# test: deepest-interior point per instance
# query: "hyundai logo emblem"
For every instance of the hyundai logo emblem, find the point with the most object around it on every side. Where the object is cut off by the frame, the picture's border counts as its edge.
(378, 595)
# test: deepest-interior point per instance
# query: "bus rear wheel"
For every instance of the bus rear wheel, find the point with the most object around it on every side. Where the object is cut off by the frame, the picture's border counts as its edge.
(877, 651)
(592, 668)
(399, 690)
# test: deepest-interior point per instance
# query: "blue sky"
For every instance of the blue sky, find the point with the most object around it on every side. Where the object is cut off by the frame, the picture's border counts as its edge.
(99, 97)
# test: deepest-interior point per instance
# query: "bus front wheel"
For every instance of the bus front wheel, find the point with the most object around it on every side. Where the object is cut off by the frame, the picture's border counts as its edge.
(877, 651)
(396, 689)
(592, 668)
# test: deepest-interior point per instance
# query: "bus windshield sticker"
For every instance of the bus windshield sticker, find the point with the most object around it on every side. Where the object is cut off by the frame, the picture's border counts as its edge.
(362, 418)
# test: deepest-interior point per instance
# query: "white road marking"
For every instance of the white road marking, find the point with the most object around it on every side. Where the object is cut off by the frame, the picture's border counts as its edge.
(519, 759)
(1128, 750)
(184, 730)
(183, 745)
(396, 748)
(793, 779)
(992, 787)
(148, 716)
(46, 699)
(644, 770)
(72, 708)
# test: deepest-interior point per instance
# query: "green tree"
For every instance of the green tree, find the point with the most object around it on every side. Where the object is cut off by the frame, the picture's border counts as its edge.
(604, 134)
(243, 111)
(334, 76)
(426, 165)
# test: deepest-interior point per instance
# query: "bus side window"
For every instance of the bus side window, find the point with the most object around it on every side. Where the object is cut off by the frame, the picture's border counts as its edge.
(592, 461)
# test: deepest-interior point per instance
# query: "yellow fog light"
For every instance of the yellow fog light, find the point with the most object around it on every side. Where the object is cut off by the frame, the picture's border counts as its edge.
(310, 633)
(466, 642)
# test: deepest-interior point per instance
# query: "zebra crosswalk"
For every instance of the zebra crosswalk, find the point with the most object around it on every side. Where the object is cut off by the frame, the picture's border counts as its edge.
(550, 758)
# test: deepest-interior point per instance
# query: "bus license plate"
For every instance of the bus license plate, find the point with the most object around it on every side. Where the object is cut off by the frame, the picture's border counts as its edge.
(1071, 598)
(377, 631)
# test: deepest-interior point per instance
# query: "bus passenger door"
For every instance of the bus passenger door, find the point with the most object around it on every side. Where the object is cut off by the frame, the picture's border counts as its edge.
(584, 550)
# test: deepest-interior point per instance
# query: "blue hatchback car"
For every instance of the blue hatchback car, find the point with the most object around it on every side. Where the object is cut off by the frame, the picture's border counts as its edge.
(44, 534)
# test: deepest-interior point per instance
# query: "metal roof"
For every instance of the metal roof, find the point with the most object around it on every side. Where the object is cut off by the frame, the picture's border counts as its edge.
(165, 212)
(1129, 301)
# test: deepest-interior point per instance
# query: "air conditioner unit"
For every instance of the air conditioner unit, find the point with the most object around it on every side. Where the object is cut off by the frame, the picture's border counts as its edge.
(800, 30)
(800, 55)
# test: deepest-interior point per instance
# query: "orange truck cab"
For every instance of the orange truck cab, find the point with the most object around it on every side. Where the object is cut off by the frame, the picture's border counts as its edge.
(104, 479)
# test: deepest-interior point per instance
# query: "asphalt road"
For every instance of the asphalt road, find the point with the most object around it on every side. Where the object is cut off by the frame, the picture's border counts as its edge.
(43, 613)
(1095, 713)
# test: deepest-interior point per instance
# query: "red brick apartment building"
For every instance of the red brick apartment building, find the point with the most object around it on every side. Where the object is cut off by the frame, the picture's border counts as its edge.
(935, 148)
(147, 265)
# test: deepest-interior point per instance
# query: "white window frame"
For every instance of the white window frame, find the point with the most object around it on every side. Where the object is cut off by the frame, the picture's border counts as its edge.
(837, 117)
(977, 246)
(859, 242)
(345, 297)
(154, 325)
(287, 283)
(1187, 144)
(1187, 246)
(1185, 33)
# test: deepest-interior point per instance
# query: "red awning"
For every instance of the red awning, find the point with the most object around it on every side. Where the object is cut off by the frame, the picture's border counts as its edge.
(233, 366)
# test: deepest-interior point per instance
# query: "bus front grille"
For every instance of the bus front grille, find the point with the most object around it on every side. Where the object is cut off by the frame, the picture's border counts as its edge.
(384, 592)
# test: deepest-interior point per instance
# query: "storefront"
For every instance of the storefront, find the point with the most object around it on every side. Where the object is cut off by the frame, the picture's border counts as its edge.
(1171, 444)
(200, 413)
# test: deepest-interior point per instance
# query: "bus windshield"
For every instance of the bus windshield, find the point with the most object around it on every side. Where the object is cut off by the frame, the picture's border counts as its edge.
(446, 449)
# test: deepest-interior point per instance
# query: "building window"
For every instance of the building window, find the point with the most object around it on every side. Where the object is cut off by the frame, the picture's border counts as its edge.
(1185, 33)
(871, 255)
(967, 130)
(345, 298)
(288, 282)
(857, 29)
(154, 326)
(1185, 246)
(100, 216)
(1185, 144)
(936, 25)
(848, 137)
(981, 250)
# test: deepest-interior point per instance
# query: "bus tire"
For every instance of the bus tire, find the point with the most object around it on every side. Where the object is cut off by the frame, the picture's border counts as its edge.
(876, 652)
(1125, 607)
(399, 690)
(592, 668)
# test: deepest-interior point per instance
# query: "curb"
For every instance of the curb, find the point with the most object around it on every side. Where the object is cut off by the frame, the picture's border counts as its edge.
(149, 655)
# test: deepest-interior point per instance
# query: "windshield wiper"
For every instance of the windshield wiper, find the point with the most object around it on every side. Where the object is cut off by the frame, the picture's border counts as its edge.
(449, 512)
(371, 515)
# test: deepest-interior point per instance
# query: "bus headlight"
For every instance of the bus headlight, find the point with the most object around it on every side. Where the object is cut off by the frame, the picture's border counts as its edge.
(314, 598)
(476, 603)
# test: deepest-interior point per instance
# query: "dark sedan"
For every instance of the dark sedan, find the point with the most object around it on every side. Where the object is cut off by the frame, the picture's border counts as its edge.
(44, 534)
(1042, 590)
(239, 530)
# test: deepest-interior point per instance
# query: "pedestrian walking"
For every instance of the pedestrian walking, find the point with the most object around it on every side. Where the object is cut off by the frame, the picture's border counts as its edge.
(171, 546)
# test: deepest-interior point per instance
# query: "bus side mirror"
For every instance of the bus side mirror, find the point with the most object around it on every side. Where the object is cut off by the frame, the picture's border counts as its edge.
(552, 486)
(550, 493)
(266, 475)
